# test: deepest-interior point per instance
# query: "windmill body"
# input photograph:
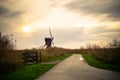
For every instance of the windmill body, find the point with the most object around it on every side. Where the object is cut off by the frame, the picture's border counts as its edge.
(49, 40)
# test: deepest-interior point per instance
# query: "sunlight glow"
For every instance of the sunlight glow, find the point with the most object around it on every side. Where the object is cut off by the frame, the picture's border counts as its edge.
(26, 29)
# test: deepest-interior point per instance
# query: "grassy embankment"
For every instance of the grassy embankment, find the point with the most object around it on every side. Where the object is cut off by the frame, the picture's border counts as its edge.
(99, 64)
(59, 58)
(28, 73)
(33, 71)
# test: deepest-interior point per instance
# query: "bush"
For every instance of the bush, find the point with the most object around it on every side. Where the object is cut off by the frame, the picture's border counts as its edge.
(8, 59)
(51, 53)
(108, 53)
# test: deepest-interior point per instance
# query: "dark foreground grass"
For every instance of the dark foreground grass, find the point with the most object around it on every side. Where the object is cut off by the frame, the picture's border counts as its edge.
(99, 64)
(59, 57)
(28, 73)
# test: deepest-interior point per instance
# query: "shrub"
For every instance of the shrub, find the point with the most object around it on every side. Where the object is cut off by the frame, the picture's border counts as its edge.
(108, 53)
(8, 58)
(51, 53)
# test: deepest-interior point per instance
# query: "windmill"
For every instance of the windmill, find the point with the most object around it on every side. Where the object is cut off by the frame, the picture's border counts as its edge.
(49, 40)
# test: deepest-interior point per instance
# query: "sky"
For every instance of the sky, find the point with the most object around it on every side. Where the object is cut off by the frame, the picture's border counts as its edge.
(73, 23)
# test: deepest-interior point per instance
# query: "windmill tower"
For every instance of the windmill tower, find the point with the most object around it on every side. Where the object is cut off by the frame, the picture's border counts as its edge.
(49, 40)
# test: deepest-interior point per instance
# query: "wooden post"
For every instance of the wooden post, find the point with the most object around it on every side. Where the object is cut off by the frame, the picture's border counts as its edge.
(37, 60)
(40, 57)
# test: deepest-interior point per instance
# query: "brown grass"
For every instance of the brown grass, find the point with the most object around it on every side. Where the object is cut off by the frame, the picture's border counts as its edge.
(109, 53)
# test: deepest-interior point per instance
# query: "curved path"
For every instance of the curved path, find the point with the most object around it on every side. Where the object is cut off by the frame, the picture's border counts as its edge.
(75, 68)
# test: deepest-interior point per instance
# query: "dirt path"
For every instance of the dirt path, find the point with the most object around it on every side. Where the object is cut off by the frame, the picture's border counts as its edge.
(75, 68)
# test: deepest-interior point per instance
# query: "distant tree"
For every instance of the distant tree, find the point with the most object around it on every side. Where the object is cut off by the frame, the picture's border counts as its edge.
(6, 42)
(114, 44)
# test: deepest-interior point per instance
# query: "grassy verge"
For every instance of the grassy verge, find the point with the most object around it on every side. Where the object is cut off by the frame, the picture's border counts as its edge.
(93, 62)
(28, 73)
(59, 58)
(33, 71)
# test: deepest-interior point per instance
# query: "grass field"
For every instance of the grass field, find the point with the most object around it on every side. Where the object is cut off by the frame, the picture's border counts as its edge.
(28, 73)
(31, 72)
(59, 57)
(99, 64)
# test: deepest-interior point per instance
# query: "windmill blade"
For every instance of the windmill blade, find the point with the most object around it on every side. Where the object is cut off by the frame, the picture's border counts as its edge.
(51, 36)
(50, 33)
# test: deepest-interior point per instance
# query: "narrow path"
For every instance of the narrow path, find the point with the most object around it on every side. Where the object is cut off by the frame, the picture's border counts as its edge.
(75, 68)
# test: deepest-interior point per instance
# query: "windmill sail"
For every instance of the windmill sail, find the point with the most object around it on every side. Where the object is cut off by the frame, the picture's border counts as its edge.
(50, 32)
(51, 36)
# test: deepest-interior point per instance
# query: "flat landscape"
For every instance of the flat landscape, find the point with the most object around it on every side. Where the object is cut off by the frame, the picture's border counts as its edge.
(59, 39)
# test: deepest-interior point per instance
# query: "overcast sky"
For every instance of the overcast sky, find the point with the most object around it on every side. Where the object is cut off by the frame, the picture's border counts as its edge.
(73, 22)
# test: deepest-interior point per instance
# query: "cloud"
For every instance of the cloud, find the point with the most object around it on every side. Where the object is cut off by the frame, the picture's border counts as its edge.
(65, 35)
(67, 31)
(80, 36)
(9, 17)
(58, 3)
(103, 33)
(8, 8)
(3, 10)
(102, 29)
(15, 13)
(110, 8)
